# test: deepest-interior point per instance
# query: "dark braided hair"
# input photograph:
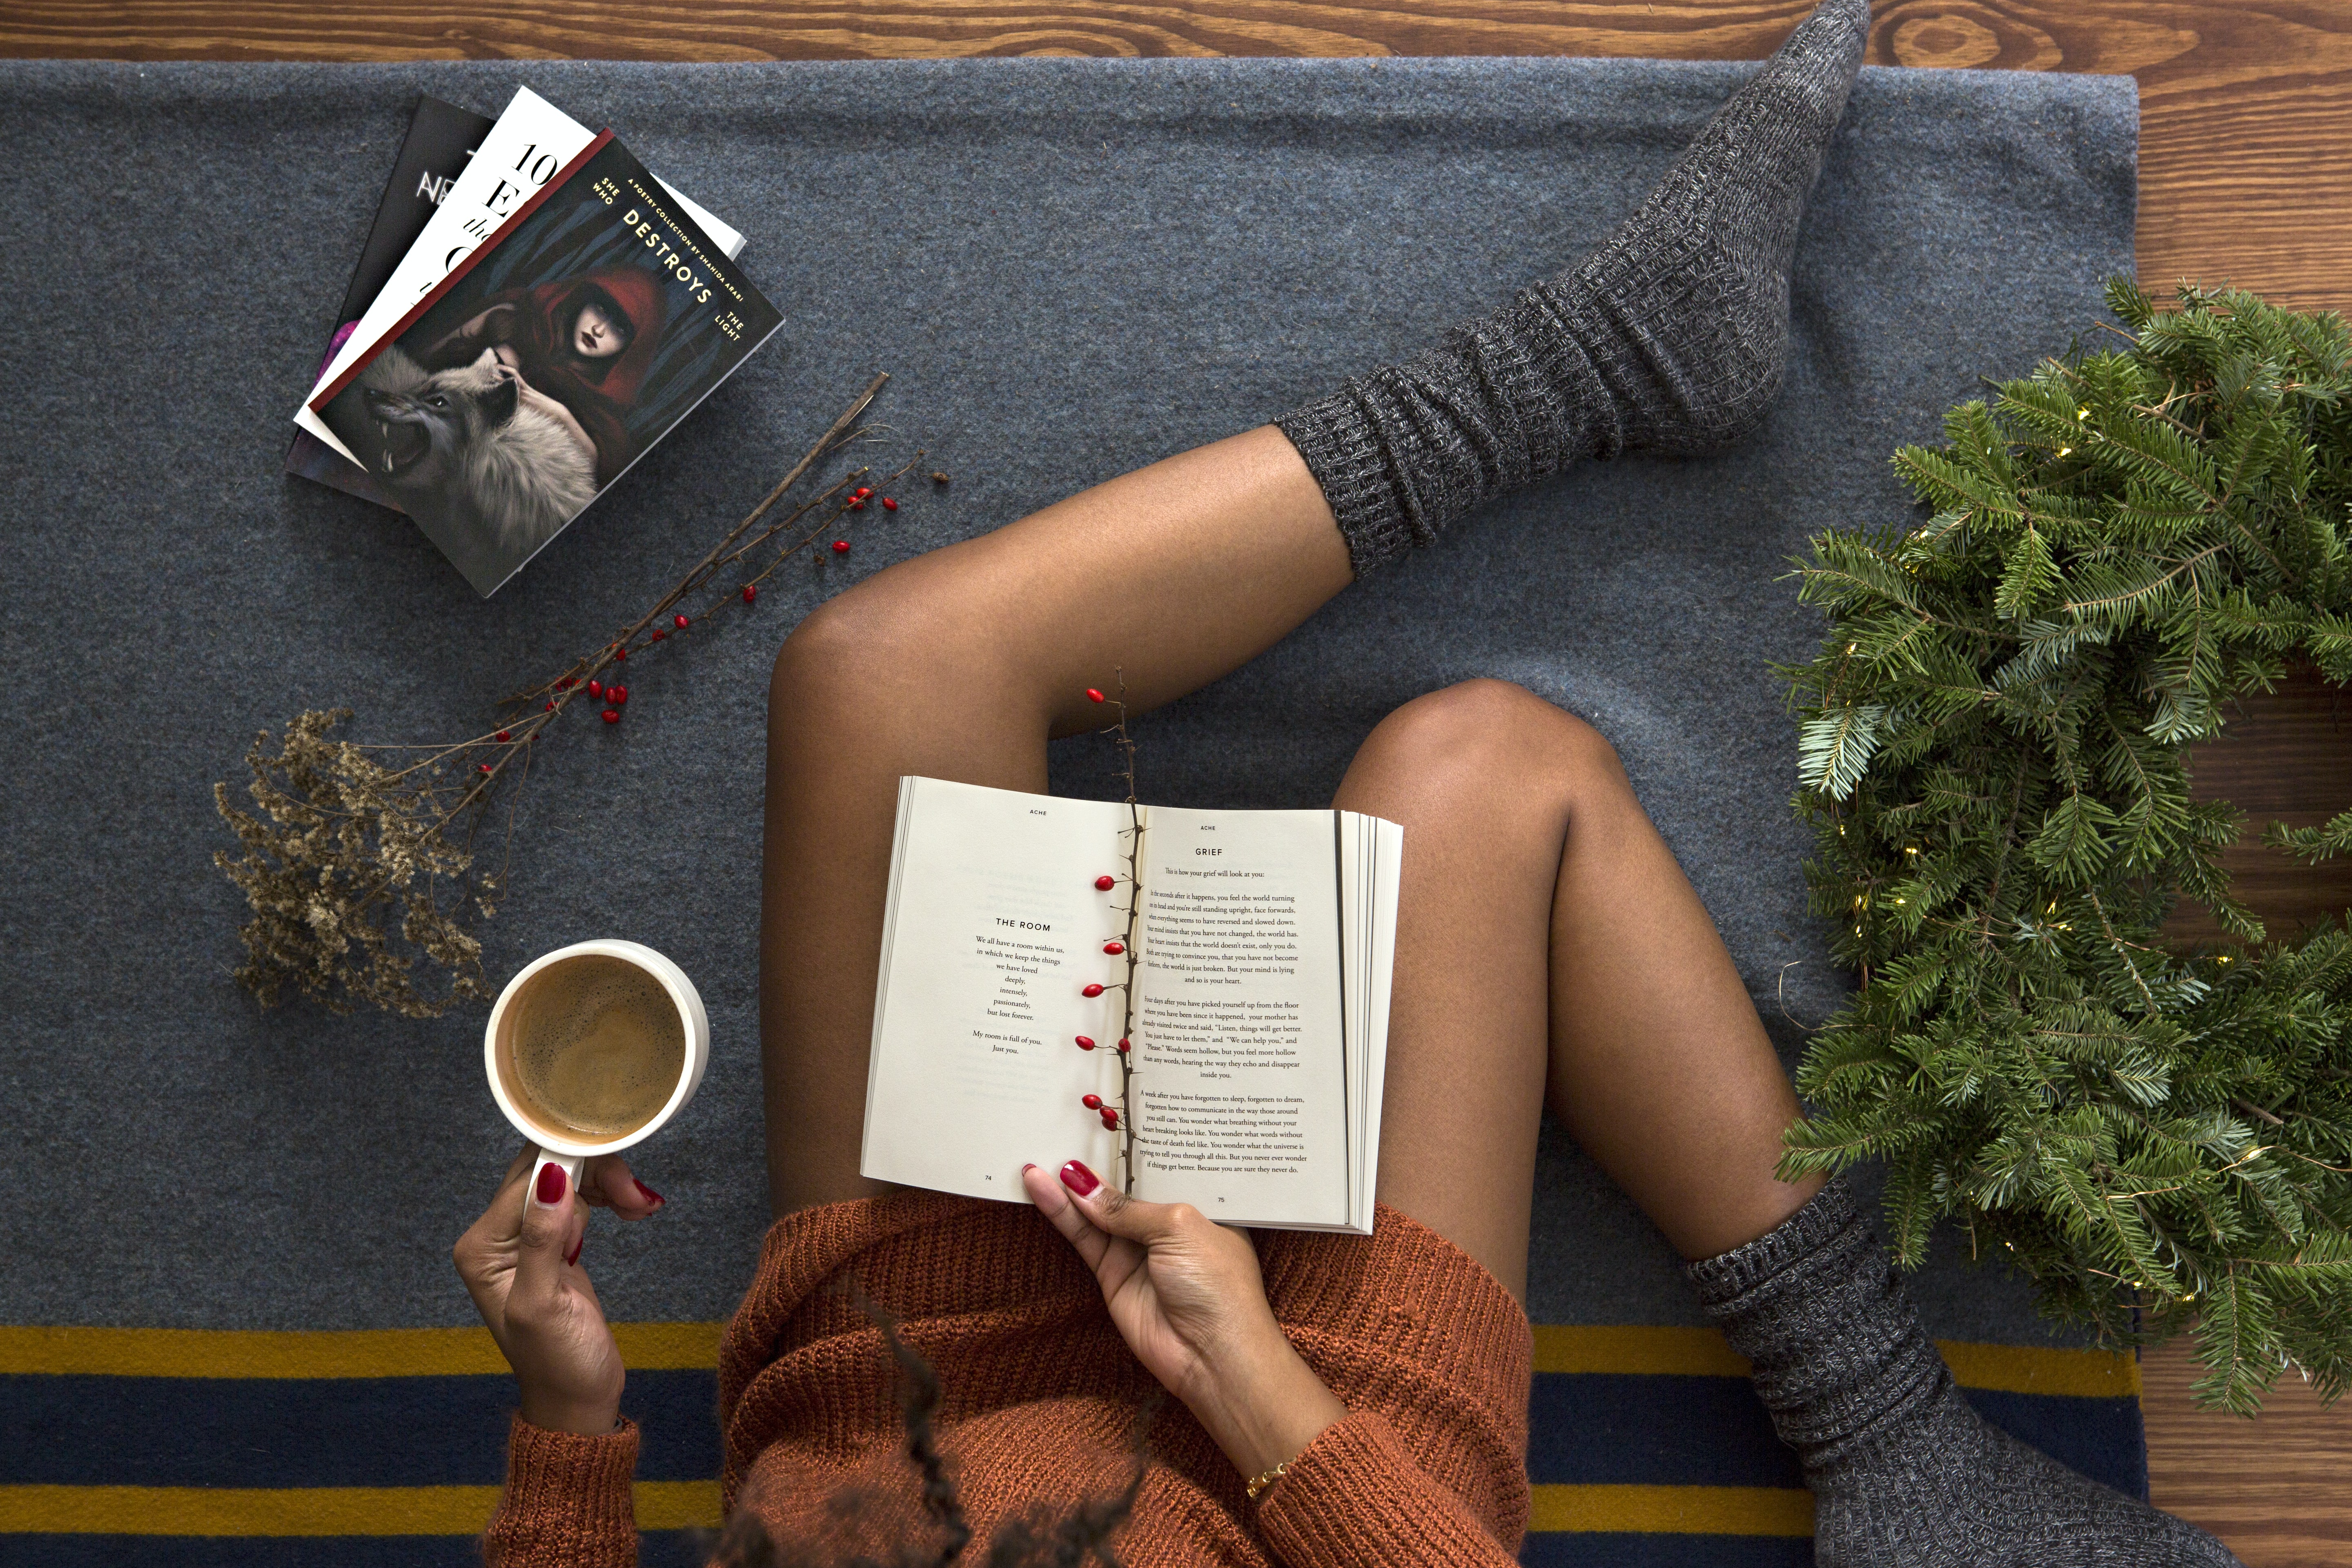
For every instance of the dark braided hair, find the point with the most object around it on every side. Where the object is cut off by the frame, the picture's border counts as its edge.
(1038, 1539)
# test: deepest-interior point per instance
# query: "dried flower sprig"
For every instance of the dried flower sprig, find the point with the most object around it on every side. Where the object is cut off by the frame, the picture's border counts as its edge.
(352, 844)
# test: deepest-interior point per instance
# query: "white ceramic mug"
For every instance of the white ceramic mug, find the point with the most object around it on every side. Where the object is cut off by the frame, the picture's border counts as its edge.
(554, 1147)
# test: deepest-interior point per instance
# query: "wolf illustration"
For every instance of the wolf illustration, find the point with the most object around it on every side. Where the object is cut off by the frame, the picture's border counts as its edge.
(467, 458)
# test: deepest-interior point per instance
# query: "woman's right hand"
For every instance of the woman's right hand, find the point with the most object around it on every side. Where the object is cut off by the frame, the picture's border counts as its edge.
(520, 1262)
(1186, 1295)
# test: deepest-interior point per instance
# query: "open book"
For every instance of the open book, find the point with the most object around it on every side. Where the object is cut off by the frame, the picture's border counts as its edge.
(1263, 942)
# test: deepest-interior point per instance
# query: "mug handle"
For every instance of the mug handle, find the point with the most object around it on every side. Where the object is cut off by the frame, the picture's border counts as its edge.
(570, 1163)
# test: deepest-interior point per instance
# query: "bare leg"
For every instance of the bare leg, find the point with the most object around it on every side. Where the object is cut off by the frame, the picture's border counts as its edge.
(1548, 944)
(958, 665)
(1539, 900)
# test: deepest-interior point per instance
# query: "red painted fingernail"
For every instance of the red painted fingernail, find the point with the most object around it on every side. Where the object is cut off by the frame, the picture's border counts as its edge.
(576, 1246)
(1078, 1179)
(1029, 1167)
(647, 1194)
(551, 1185)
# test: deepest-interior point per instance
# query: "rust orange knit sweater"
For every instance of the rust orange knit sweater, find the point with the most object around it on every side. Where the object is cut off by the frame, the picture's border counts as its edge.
(1040, 1395)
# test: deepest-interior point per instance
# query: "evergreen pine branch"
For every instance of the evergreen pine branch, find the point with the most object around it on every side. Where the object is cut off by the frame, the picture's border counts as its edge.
(1990, 756)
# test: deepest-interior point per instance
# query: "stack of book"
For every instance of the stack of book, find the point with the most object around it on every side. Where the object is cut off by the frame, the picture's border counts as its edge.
(532, 313)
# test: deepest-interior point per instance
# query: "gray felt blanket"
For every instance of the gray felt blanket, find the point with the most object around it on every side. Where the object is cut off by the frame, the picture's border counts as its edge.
(1070, 268)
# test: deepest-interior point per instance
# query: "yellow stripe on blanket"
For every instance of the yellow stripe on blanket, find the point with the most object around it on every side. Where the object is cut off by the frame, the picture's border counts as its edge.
(656, 1347)
(307, 1511)
(320, 1352)
(1672, 1510)
(681, 1505)
(1702, 1353)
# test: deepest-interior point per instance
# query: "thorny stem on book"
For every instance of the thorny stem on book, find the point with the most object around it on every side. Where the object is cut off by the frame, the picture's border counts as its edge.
(1133, 834)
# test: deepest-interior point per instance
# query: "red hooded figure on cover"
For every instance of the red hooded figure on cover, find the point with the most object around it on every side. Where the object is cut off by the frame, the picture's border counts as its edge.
(580, 347)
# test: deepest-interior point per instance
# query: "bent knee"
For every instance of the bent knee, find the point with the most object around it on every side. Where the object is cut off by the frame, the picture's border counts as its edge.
(874, 645)
(1494, 732)
(833, 639)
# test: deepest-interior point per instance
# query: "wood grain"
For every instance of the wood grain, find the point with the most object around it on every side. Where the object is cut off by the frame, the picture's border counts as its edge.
(2276, 1488)
(2285, 757)
(2245, 175)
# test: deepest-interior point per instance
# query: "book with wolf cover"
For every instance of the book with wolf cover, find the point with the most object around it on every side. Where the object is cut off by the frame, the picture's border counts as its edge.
(530, 143)
(549, 359)
(1264, 942)
(441, 137)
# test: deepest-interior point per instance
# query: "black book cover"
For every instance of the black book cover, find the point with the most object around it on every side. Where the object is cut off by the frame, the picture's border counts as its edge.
(441, 138)
(548, 362)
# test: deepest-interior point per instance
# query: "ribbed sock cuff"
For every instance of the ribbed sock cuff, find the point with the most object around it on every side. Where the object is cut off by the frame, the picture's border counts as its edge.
(1344, 452)
(1725, 1278)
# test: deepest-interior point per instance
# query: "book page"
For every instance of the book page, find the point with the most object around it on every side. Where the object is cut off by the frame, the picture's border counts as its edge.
(1243, 1078)
(995, 926)
(1368, 887)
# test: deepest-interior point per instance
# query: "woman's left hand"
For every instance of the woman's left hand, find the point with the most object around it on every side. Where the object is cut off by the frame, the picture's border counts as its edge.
(520, 1263)
(1186, 1295)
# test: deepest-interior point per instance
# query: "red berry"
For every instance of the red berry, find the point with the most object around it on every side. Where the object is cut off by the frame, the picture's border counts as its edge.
(1091, 991)
(611, 715)
(617, 695)
(506, 734)
(841, 547)
(889, 505)
(1114, 948)
(620, 653)
(750, 592)
(1123, 1048)
(679, 621)
(864, 490)
(595, 688)
(1110, 1117)
(658, 635)
(1092, 1102)
(1105, 884)
(551, 705)
(854, 505)
(484, 766)
(1093, 696)
(1086, 1042)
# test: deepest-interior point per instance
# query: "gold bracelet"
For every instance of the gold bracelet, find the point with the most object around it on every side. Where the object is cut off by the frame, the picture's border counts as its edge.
(1261, 1485)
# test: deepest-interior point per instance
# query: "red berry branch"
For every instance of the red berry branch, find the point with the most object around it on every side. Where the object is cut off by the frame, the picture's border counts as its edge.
(1121, 1117)
(349, 848)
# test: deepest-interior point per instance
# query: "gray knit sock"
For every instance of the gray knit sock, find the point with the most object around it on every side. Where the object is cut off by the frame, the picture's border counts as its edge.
(1669, 339)
(1904, 1474)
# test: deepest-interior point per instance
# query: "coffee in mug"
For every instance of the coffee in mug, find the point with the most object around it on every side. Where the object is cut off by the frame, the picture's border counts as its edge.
(593, 1047)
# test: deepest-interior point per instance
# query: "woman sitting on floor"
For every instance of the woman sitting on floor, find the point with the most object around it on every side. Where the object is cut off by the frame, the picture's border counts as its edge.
(1338, 1400)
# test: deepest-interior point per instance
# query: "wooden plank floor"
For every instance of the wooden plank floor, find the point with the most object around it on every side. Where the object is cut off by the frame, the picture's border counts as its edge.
(2245, 174)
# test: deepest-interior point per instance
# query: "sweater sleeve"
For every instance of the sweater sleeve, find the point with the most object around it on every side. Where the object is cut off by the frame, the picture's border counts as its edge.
(567, 1502)
(1355, 1498)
